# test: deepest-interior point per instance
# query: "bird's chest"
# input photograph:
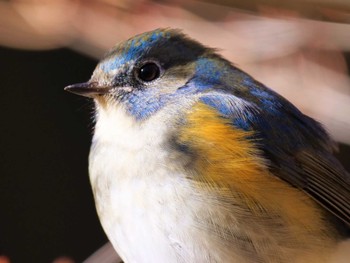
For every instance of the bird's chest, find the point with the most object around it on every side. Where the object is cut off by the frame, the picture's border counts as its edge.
(139, 196)
(131, 191)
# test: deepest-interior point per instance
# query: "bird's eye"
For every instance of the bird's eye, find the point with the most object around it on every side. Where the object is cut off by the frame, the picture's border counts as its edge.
(148, 72)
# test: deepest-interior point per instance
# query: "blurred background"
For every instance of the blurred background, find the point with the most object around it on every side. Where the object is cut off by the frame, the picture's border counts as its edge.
(300, 48)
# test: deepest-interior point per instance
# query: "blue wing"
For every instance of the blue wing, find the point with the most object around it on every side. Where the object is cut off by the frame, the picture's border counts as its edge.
(298, 148)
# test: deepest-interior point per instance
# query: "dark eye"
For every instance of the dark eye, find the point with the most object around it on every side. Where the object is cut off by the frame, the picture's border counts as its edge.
(149, 72)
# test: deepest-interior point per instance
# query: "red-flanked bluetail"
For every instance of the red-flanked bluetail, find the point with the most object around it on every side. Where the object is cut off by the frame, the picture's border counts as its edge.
(193, 160)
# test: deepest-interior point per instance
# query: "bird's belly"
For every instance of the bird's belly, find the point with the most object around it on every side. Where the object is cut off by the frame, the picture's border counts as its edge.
(145, 206)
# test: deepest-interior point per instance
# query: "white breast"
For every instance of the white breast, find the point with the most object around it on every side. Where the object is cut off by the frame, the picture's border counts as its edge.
(141, 199)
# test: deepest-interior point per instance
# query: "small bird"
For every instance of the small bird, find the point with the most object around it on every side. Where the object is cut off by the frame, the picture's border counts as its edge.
(193, 160)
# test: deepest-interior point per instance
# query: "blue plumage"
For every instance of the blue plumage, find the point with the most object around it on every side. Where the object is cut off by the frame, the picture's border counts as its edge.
(132, 50)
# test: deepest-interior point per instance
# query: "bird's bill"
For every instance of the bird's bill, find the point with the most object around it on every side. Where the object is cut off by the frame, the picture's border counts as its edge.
(88, 89)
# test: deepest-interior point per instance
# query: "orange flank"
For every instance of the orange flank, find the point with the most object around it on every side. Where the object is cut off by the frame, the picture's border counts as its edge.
(231, 167)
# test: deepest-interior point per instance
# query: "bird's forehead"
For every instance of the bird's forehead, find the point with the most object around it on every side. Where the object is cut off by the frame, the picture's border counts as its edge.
(130, 50)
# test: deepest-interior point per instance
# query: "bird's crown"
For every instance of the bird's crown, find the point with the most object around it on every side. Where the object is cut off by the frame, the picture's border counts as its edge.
(167, 47)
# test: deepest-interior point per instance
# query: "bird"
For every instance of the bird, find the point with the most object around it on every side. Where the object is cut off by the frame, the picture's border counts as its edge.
(193, 160)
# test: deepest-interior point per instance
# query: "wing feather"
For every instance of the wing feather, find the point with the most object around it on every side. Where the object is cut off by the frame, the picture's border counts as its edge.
(298, 148)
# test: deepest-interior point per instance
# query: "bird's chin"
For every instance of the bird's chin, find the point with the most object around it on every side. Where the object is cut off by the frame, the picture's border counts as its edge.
(113, 98)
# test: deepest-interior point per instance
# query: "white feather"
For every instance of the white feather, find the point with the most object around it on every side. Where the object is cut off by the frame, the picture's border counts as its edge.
(144, 203)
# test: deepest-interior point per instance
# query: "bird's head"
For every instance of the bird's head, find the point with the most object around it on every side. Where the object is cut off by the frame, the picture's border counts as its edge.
(151, 70)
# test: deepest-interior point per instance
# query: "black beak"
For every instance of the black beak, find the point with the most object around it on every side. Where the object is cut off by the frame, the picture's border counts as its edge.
(88, 89)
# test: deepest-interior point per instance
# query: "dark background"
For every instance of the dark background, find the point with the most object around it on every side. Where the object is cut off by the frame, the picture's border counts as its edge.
(46, 205)
(47, 209)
